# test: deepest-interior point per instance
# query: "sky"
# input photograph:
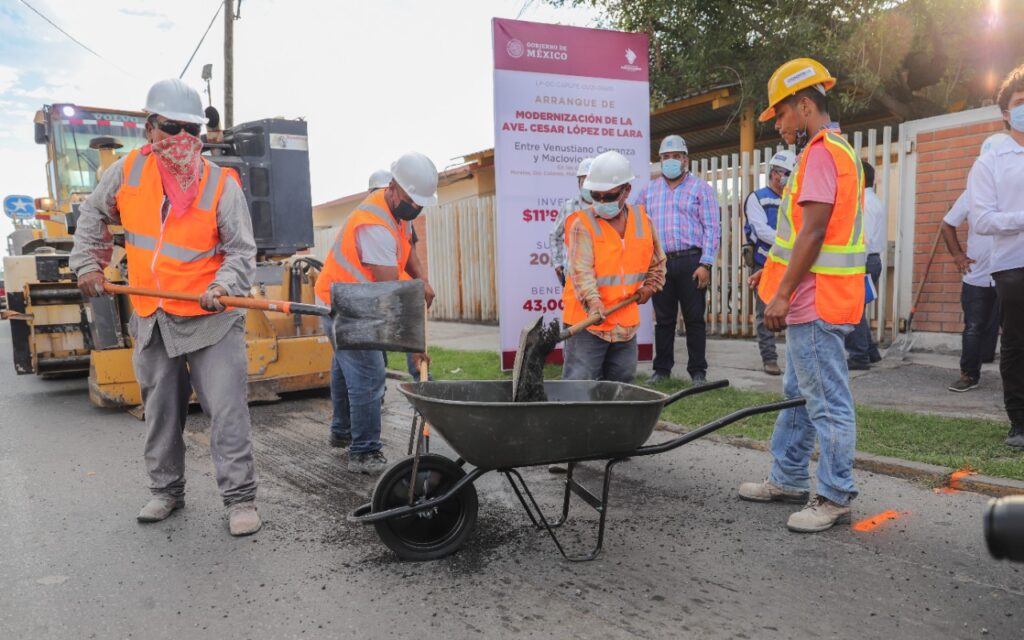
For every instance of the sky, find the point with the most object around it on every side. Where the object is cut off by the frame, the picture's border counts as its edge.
(374, 79)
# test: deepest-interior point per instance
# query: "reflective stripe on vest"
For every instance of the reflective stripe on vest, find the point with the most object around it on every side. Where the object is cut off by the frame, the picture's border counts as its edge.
(180, 254)
(339, 256)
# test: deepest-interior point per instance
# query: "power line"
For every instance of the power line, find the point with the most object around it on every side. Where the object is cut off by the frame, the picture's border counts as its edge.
(196, 50)
(73, 38)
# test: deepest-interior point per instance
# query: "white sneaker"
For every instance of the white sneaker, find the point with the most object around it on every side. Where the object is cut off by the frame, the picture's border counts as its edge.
(819, 514)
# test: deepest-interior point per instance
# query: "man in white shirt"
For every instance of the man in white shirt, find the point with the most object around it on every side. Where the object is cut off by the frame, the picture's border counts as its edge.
(861, 346)
(978, 294)
(996, 188)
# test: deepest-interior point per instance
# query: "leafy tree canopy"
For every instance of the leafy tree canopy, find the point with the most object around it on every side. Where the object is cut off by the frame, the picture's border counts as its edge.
(916, 58)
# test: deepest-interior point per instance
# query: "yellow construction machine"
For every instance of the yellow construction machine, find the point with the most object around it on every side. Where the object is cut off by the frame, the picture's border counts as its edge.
(56, 332)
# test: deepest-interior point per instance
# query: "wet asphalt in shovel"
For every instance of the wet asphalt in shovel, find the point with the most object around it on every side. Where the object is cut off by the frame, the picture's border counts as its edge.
(683, 558)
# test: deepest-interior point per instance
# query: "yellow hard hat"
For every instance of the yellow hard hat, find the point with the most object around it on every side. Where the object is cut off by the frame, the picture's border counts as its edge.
(792, 77)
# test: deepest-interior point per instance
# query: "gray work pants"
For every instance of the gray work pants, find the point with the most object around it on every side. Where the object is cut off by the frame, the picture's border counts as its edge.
(588, 357)
(219, 375)
(765, 336)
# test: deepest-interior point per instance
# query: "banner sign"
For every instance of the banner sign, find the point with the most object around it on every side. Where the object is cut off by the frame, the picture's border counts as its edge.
(561, 94)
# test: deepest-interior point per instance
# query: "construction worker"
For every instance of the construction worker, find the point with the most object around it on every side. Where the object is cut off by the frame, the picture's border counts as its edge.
(186, 229)
(684, 210)
(996, 188)
(374, 246)
(380, 179)
(861, 345)
(762, 212)
(978, 297)
(556, 241)
(813, 285)
(613, 253)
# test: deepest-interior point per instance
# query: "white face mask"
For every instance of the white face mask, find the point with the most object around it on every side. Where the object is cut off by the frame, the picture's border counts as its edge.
(607, 210)
(783, 181)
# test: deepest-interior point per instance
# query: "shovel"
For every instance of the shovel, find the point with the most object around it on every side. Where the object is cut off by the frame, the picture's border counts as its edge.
(907, 342)
(372, 316)
(535, 343)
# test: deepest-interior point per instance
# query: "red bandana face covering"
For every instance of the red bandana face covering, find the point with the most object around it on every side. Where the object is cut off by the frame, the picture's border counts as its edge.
(180, 165)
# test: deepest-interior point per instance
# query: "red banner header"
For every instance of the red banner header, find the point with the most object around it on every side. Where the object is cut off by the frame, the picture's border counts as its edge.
(574, 51)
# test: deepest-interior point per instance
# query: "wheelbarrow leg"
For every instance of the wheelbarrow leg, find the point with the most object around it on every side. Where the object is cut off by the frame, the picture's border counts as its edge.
(529, 503)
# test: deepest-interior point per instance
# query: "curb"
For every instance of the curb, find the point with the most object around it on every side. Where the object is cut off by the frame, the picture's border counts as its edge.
(896, 467)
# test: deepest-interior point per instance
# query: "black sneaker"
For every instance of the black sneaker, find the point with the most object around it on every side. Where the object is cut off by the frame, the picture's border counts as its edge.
(372, 462)
(699, 378)
(341, 442)
(1015, 438)
(658, 376)
(858, 365)
(965, 383)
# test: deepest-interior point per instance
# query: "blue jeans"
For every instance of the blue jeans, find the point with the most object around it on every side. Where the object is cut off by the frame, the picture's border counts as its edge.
(981, 327)
(816, 369)
(357, 386)
(861, 344)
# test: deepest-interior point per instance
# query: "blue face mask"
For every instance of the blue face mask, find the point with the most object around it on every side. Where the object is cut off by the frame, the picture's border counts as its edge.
(1017, 118)
(585, 194)
(607, 210)
(671, 169)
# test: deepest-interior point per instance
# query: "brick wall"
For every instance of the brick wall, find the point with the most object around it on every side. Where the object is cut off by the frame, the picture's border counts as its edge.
(944, 158)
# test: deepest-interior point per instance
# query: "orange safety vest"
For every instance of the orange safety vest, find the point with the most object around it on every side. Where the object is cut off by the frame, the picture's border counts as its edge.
(343, 263)
(179, 253)
(839, 268)
(620, 265)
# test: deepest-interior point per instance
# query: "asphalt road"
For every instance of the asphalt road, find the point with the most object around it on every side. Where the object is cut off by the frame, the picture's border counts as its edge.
(683, 557)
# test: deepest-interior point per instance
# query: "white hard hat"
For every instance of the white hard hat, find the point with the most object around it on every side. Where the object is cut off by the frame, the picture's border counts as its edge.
(379, 179)
(673, 144)
(609, 170)
(784, 159)
(584, 167)
(993, 141)
(175, 100)
(417, 175)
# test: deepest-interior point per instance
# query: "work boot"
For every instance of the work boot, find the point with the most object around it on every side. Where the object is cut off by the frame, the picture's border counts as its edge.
(964, 383)
(771, 367)
(1015, 438)
(767, 491)
(341, 442)
(699, 378)
(371, 462)
(243, 519)
(819, 514)
(858, 365)
(557, 468)
(159, 507)
(659, 376)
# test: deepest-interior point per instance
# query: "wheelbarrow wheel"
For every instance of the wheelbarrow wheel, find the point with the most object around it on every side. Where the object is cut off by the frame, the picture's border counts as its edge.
(432, 533)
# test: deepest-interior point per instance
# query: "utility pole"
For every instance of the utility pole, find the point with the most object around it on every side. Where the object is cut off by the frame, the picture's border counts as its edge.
(229, 73)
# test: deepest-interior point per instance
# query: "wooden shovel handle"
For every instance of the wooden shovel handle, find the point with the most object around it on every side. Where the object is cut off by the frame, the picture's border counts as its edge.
(591, 321)
(281, 306)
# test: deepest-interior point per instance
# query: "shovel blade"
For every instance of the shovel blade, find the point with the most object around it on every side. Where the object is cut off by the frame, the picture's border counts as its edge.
(527, 338)
(389, 316)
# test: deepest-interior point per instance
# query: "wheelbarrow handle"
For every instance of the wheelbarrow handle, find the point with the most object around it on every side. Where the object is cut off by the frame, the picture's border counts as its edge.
(692, 391)
(281, 306)
(569, 332)
(724, 421)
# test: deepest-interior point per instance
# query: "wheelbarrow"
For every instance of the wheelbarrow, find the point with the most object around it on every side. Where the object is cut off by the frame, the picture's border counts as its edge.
(425, 506)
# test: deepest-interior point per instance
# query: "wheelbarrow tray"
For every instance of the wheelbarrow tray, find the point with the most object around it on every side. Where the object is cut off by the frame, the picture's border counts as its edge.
(581, 419)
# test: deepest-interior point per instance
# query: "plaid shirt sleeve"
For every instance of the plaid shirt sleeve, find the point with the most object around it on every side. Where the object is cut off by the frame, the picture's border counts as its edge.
(656, 272)
(581, 265)
(712, 224)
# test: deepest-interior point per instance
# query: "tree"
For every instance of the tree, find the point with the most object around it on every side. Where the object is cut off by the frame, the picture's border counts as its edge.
(914, 57)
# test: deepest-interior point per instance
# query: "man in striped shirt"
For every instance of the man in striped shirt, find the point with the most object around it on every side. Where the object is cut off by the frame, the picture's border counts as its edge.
(684, 211)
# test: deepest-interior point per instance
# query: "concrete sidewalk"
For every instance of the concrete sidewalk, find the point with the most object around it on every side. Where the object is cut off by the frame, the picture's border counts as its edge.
(918, 384)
